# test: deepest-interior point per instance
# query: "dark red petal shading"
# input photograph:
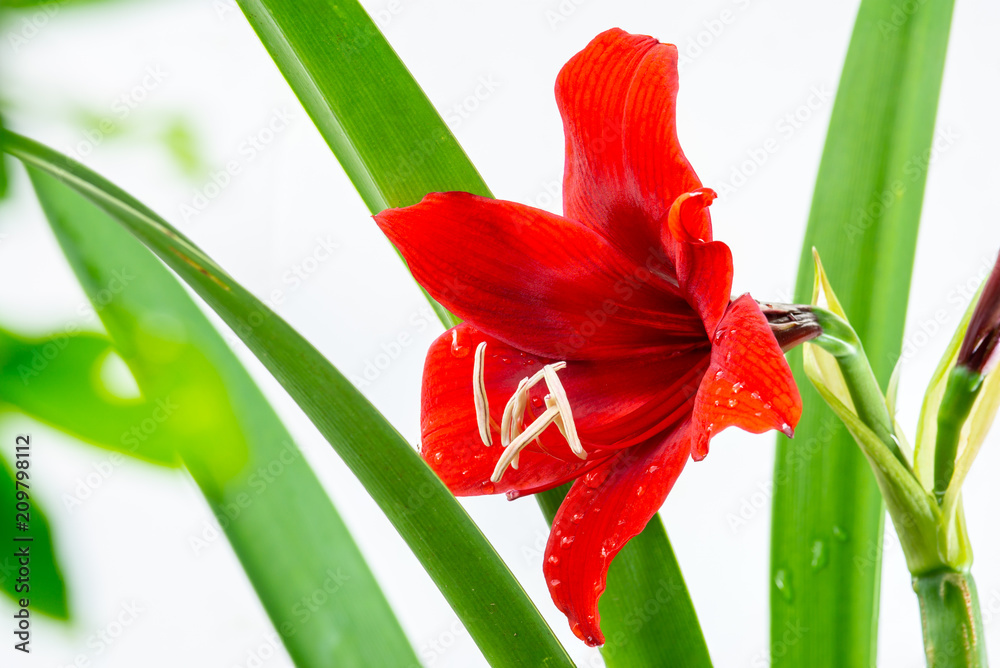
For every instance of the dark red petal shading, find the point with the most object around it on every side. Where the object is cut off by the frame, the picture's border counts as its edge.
(748, 383)
(604, 509)
(614, 405)
(540, 282)
(624, 164)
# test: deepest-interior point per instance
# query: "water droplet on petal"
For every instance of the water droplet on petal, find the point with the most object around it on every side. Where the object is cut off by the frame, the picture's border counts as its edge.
(737, 386)
(505, 360)
(488, 487)
(639, 490)
(732, 403)
(576, 519)
(554, 582)
(719, 374)
(567, 541)
(537, 402)
(783, 583)
(755, 396)
(653, 469)
(717, 402)
(529, 362)
(553, 559)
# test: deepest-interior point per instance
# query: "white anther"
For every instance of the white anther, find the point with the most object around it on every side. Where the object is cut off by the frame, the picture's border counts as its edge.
(518, 444)
(479, 395)
(565, 411)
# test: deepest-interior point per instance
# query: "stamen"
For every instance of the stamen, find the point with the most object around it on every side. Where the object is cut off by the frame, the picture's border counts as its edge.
(519, 401)
(519, 443)
(565, 411)
(479, 395)
(508, 415)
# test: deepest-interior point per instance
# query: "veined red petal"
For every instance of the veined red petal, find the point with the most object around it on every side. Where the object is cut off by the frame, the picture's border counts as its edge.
(748, 383)
(614, 405)
(624, 164)
(540, 282)
(604, 509)
(704, 267)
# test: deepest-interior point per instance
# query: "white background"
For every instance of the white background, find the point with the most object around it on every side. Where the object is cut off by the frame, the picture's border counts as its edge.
(129, 542)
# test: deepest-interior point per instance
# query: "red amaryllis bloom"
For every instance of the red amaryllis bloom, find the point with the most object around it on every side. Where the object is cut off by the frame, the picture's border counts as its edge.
(601, 345)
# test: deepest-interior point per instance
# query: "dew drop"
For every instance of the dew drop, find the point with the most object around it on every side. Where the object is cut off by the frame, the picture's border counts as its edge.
(505, 360)
(819, 555)
(553, 559)
(537, 402)
(459, 345)
(783, 583)
(488, 487)
(554, 582)
(567, 541)
(530, 362)
(717, 402)
(438, 456)
(737, 386)
(767, 406)
(755, 396)
(840, 534)
(653, 469)
(621, 523)
(719, 374)
(732, 403)
(576, 519)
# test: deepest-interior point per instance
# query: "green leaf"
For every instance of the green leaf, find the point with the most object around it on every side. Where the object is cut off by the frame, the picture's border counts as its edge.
(56, 380)
(48, 589)
(293, 545)
(396, 148)
(864, 219)
(479, 587)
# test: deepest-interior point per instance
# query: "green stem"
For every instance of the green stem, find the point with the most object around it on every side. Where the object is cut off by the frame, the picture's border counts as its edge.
(959, 395)
(840, 340)
(953, 625)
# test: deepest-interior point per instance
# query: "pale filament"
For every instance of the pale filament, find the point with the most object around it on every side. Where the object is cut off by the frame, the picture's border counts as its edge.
(513, 437)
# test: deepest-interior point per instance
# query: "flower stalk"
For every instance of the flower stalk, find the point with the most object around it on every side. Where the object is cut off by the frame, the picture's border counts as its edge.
(952, 623)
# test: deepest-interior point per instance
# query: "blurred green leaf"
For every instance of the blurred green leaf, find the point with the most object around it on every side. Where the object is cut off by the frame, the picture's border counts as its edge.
(309, 574)
(4, 177)
(56, 380)
(48, 589)
(396, 148)
(864, 219)
(489, 601)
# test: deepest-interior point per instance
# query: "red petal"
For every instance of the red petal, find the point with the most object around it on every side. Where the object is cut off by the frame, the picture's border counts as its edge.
(614, 405)
(538, 281)
(748, 383)
(604, 509)
(624, 165)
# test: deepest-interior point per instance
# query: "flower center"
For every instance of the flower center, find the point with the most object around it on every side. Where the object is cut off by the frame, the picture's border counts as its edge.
(514, 436)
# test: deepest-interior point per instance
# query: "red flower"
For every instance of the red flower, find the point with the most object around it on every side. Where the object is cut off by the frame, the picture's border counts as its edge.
(600, 346)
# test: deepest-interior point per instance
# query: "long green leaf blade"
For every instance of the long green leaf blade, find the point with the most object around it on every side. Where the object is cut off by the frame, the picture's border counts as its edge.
(479, 587)
(47, 593)
(828, 514)
(297, 552)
